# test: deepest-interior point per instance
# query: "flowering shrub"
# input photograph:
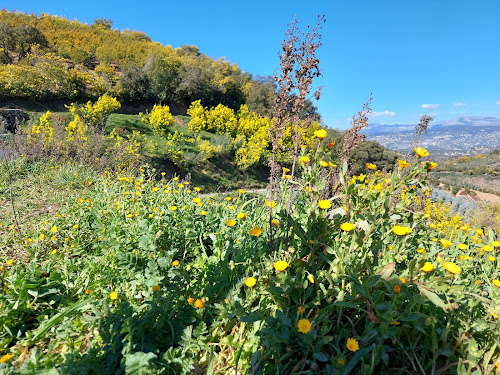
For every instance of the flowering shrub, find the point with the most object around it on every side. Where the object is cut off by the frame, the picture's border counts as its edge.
(160, 119)
(90, 114)
(43, 130)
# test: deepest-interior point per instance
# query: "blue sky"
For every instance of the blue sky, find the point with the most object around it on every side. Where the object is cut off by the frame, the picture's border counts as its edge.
(439, 57)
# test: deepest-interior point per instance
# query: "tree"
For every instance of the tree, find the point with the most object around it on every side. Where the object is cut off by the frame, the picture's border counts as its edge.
(261, 96)
(19, 41)
(7, 43)
(26, 37)
(104, 22)
(134, 84)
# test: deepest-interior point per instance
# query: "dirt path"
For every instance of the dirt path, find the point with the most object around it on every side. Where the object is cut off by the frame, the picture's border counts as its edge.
(487, 197)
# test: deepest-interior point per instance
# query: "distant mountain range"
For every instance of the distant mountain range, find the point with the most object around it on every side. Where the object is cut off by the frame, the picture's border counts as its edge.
(460, 136)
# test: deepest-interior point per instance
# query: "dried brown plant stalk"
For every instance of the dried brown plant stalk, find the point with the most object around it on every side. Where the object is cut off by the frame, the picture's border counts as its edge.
(353, 137)
(298, 67)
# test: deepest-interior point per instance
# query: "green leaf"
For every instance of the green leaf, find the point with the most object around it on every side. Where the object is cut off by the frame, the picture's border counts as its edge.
(58, 318)
(138, 363)
(320, 357)
(433, 297)
(251, 318)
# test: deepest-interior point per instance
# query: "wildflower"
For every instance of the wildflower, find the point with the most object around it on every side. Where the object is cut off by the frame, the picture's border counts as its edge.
(255, 231)
(180, 186)
(228, 198)
(270, 204)
(452, 267)
(6, 358)
(371, 166)
(446, 244)
(250, 282)
(163, 174)
(403, 280)
(487, 248)
(176, 178)
(199, 304)
(173, 208)
(53, 252)
(285, 170)
(397, 289)
(190, 300)
(401, 231)
(332, 165)
(275, 222)
(196, 200)
(340, 361)
(175, 263)
(324, 164)
(53, 229)
(352, 344)
(403, 164)
(281, 265)
(113, 295)
(421, 152)
(230, 223)
(420, 250)
(10, 261)
(495, 243)
(156, 288)
(311, 279)
(196, 189)
(203, 213)
(41, 236)
(87, 291)
(496, 283)
(478, 282)
(304, 159)
(155, 189)
(75, 226)
(428, 267)
(287, 176)
(429, 165)
(480, 232)
(241, 216)
(347, 227)
(301, 310)
(492, 259)
(330, 145)
(304, 325)
(320, 134)
(324, 204)
(462, 246)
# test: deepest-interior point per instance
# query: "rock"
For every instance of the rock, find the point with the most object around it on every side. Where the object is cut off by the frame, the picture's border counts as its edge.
(11, 119)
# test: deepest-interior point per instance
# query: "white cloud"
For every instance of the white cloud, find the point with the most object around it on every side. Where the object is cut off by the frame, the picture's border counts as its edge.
(430, 106)
(386, 113)
(498, 102)
(459, 104)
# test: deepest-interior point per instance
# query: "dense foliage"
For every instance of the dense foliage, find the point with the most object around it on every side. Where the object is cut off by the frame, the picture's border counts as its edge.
(134, 274)
(49, 57)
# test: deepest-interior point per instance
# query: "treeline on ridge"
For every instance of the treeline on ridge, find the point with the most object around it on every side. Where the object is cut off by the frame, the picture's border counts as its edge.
(49, 57)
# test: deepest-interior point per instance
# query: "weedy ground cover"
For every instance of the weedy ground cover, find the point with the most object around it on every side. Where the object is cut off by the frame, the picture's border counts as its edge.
(133, 272)
(142, 275)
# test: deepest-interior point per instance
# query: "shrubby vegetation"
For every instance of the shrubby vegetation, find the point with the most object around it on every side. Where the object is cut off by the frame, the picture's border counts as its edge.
(49, 57)
(116, 268)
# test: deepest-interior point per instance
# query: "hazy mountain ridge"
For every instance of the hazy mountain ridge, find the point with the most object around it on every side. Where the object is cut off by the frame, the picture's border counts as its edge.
(459, 136)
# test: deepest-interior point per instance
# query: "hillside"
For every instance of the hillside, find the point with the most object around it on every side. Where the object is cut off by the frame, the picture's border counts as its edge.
(460, 136)
(48, 58)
